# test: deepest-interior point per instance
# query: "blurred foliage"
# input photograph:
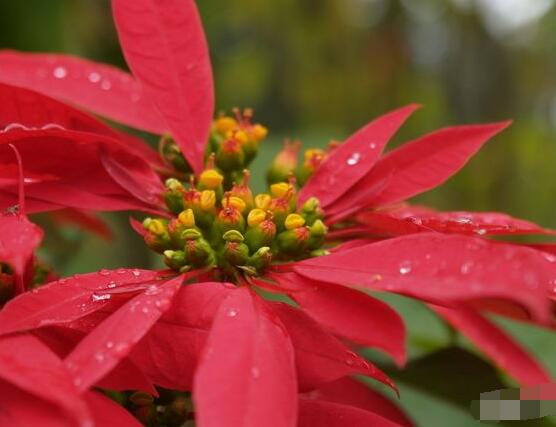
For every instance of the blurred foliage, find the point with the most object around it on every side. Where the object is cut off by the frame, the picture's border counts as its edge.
(318, 70)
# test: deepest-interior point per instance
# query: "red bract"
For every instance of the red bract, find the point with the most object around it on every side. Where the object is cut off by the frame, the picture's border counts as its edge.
(181, 337)
(248, 361)
(37, 389)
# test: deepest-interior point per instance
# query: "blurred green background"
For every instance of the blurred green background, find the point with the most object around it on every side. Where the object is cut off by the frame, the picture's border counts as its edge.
(318, 70)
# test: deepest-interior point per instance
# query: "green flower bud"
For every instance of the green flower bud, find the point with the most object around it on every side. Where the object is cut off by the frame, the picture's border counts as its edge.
(312, 210)
(261, 259)
(284, 163)
(261, 234)
(230, 156)
(176, 260)
(171, 154)
(157, 236)
(197, 250)
(173, 196)
(293, 242)
(317, 233)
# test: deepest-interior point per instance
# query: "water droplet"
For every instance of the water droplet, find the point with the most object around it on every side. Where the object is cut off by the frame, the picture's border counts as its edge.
(549, 257)
(145, 310)
(466, 267)
(104, 272)
(60, 72)
(372, 145)
(109, 344)
(481, 231)
(94, 77)
(153, 290)
(353, 159)
(56, 126)
(255, 372)
(112, 284)
(405, 267)
(100, 356)
(464, 220)
(376, 277)
(106, 85)
(136, 273)
(163, 303)
(121, 271)
(232, 312)
(100, 297)
(121, 348)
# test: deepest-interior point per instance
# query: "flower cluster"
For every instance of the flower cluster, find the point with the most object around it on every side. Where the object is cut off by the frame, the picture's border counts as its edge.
(202, 340)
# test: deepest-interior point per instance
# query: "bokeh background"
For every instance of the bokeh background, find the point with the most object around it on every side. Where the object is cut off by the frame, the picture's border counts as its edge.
(319, 69)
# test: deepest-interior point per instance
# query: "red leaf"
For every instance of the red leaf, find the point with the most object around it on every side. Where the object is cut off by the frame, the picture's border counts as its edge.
(30, 366)
(19, 238)
(322, 413)
(496, 344)
(413, 219)
(57, 162)
(112, 340)
(69, 299)
(22, 107)
(100, 88)
(350, 314)
(170, 352)
(106, 412)
(165, 47)
(353, 159)
(426, 162)
(246, 375)
(319, 356)
(348, 391)
(442, 269)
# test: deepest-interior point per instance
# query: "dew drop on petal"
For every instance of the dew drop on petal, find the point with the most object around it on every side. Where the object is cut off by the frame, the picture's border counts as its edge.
(255, 372)
(100, 297)
(145, 310)
(136, 273)
(481, 231)
(106, 85)
(405, 267)
(466, 267)
(121, 271)
(60, 72)
(109, 344)
(152, 290)
(353, 159)
(112, 284)
(104, 272)
(94, 77)
(372, 145)
(100, 356)
(232, 312)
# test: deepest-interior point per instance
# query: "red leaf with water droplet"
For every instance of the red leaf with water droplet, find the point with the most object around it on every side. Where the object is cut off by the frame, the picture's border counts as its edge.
(65, 168)
(173, 66)
(319, 356)
(100, 88)
(348, 391)
(113, 339)
(413, 219)
(106, 412)
(19, 238)
(506, 352)
(443, 269)
(28, 366)
(426, 162)
(169, 353)
(349, 314)
(246, 375)
(323, 413)
(68, 299)
(353, 159)
(22, 107)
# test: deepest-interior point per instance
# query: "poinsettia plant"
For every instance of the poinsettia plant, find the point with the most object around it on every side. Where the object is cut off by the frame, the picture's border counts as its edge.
(266, 298)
